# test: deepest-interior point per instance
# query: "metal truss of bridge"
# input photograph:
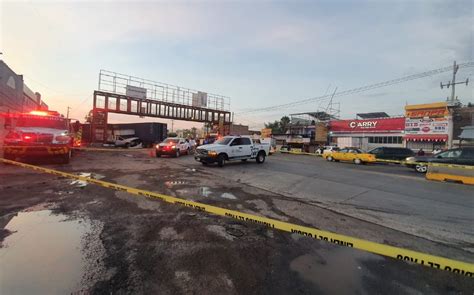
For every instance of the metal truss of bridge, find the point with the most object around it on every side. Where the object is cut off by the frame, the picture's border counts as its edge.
(129, 95)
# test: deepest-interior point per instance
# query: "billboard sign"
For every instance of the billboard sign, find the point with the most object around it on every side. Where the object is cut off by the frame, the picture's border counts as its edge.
(200, 99)
(426, 126)
(369, 125)
(135, 92)
(438, 112)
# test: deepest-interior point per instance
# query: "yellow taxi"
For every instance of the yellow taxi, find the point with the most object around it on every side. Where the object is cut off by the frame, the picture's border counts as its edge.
(354, 155)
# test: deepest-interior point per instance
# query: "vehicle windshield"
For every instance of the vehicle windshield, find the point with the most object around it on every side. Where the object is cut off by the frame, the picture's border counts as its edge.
(449, 154)
(224, 140)
(44, 122)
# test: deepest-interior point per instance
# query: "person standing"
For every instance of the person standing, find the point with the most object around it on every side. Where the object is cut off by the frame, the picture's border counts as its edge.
(421, 152)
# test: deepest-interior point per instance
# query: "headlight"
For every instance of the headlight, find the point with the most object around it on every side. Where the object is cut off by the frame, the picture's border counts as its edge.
(410, 159)
(212, 153)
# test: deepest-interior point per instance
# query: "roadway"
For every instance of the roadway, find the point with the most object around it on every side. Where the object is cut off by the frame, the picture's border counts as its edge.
(389, 195)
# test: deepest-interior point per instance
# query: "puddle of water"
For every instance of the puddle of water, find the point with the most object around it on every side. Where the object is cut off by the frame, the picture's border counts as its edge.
(42, 255)
(336, 270)
(228, 196)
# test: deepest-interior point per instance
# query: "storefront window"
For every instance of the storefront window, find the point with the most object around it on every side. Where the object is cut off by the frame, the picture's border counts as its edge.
(386, 139)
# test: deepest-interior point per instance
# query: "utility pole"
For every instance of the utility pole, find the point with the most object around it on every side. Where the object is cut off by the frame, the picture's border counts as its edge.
(453, 102)
(67, 114)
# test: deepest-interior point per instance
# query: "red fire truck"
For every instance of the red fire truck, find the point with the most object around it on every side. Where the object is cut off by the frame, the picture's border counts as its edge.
(38, 134)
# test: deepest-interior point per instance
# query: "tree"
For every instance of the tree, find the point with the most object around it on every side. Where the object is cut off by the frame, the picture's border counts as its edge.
(284, 124)
(172, 134)
(279, 127)
(275, 127)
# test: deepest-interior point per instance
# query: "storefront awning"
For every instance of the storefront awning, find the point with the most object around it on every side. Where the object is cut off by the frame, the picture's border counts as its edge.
(426, 137)
(467, 132)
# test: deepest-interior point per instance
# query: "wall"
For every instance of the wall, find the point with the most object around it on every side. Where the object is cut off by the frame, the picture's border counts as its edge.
(237, 129)
(15, 96)
(462, 117)
(321, 133)
(11, 89)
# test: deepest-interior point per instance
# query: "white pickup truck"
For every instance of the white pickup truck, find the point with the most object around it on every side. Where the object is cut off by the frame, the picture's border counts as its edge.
(231, 148)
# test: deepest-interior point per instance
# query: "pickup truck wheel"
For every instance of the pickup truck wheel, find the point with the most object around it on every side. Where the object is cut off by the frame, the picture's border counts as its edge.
(260, 157)
(221, 160)
(127, 145)
(329, 159)
(421, 168)
(357, 161)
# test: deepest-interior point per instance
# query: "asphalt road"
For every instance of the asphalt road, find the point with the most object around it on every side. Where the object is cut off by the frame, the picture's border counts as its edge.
(389, 195)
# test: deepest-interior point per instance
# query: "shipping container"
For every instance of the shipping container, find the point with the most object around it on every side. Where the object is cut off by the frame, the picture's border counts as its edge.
(149, 133)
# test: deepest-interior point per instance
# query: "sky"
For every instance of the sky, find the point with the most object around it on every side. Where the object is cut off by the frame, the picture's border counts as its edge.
(258, 53)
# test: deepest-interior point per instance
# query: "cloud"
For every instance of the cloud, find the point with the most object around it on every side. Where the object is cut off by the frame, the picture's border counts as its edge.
(259, 53)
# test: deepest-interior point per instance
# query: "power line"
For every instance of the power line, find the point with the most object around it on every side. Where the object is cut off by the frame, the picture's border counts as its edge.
(359, 89)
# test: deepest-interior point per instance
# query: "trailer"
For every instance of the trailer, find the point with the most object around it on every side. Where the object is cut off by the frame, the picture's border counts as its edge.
(149, 133)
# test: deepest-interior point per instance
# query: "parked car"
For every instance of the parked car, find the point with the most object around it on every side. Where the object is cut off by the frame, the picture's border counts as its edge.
(231, 148)
(392, 153)
(458, 156)
(354, 155)
(173, 146)
(285, 148)
(128, 142)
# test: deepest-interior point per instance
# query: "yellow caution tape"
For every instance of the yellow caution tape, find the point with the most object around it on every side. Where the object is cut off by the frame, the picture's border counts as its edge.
(451, 165)
(437, 262)
(109, 149)
(391, 161)
(395, 161)
(301, 153)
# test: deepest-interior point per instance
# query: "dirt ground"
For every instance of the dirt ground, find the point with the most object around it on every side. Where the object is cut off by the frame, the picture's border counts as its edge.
(140, 245)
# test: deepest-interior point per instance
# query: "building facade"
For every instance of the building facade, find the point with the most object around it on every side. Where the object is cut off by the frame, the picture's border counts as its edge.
(15, 95)
(428, 126)
(368, 134)
(239, 129)
(463, 124)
